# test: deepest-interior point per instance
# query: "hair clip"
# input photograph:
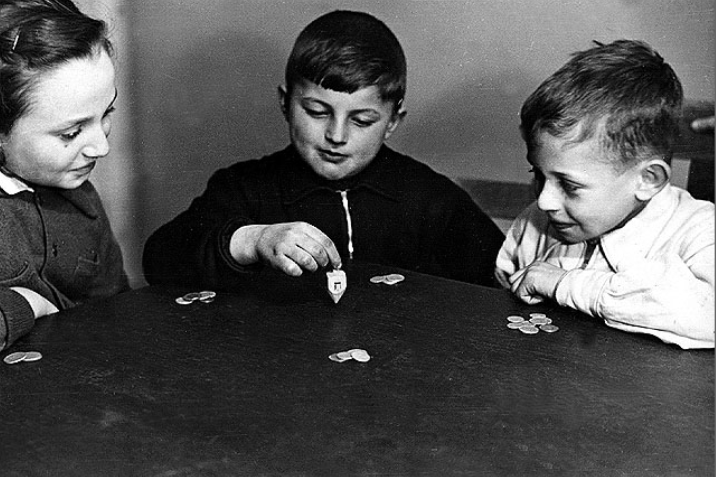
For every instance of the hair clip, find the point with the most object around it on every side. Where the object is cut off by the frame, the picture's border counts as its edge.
(14, 43)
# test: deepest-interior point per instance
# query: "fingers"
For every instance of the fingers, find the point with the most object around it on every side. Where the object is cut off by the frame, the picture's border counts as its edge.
(521, 288)
(298, 246)
(536, 282)
(703, 125)
(516, 278)
(531, 299)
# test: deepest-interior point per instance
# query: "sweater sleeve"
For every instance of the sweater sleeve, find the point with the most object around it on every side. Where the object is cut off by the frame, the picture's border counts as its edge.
(667, 297)
(192, 249)
(519, 246)
(470, 244)
(16, 317)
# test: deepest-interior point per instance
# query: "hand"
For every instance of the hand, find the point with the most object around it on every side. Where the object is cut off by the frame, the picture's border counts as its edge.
(41, 306)
(703, 125)
(290, 247)
(536, 282)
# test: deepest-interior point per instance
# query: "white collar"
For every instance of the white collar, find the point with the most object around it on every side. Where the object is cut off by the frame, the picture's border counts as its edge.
(634, 239)
(12, 185)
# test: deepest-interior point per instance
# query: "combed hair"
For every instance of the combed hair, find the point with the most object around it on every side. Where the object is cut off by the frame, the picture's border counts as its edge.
(346, 51)
(37, 36)
(623, 91)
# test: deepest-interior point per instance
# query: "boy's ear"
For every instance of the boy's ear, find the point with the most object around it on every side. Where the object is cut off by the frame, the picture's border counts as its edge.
(283, 100)
(395, 121)
(654, 174)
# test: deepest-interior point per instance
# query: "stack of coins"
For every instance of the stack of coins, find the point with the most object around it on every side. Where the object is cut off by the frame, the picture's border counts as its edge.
(357, 354)
(536, 322)
(20, 356)
(390, 279)
(203, 297)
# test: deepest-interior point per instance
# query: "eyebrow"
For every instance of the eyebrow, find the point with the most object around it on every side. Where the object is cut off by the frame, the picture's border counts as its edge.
(83, 120)
(569, 178)
(353, 111)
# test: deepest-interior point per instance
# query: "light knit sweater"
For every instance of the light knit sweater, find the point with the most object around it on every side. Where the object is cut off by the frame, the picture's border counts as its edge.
(654, 275)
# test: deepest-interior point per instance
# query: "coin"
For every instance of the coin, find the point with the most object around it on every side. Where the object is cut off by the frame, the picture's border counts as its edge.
(539, 320)
(514, 326)
(377, 279)
(515, 319)
(360, 355)
(16, 357)
(529, 330)
(337, 359)
(393, 278)
(182, 301)
(32, 356)
(538, 315)
(344, 355)
(549, 328)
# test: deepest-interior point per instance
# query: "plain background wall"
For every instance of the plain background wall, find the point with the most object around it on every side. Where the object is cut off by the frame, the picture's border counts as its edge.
(198, 84)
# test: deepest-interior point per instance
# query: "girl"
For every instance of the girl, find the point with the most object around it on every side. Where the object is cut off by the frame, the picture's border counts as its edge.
(57, 92)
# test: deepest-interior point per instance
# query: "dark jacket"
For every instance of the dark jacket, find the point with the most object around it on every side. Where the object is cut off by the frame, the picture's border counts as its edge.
(59, 244)
(403, 214)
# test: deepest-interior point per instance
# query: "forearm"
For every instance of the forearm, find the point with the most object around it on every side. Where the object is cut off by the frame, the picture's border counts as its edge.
(181, 252)
(468, 249)
(663, 298)
(16, 316)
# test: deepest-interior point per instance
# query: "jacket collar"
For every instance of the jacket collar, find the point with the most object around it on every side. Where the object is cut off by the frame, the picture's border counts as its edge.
(300, 181)
(81, 197)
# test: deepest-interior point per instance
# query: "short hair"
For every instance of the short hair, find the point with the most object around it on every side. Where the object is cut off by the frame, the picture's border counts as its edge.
(37, 36)
(624, 92)
(346, 51)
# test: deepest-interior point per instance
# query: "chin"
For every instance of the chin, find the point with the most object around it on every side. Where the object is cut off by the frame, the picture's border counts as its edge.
(331, 174)
(71, 184)
(569, 238)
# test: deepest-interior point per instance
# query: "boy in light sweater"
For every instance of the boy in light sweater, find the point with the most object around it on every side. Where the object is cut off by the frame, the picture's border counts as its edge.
(609, 235)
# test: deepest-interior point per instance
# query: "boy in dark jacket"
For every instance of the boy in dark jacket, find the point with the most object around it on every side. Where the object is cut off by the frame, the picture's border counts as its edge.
(337, 192)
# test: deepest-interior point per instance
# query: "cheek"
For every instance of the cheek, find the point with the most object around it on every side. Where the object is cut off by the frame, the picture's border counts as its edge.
(369, 142)
(22, 156)
(302, 129)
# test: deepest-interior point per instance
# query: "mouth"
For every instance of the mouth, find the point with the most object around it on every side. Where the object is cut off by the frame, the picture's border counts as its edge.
(560, 226)
(332, 156)
(86, 169)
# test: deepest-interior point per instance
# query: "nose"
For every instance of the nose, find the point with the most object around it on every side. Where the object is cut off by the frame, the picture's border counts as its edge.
(97, 144)
(548, 198)
(336, 132)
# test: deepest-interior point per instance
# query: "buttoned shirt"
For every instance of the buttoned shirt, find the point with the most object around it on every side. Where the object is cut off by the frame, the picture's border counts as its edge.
(57, 243)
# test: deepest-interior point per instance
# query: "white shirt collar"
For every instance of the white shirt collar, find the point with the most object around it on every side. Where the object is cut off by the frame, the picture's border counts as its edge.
(639, 233)
(11, 185)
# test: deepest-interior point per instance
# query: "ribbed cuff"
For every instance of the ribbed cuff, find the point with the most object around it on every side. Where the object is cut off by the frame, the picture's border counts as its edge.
(224, 245)
(582, 290)
(17, 314)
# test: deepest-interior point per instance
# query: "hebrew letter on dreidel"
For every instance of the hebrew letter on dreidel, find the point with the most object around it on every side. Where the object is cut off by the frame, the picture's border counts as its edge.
(337, 283)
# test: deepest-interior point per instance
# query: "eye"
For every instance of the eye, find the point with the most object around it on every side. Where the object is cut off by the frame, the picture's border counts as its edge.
(570, 188)
(363, 123)
(315, 113)
(70, 136)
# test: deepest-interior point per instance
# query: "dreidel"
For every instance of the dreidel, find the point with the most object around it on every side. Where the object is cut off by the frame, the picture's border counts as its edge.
(337, 283)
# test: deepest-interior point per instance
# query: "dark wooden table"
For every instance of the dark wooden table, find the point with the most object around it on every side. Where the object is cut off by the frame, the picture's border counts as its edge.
(139, 385)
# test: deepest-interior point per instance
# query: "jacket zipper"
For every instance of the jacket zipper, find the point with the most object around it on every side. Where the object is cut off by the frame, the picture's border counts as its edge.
(349, 223)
